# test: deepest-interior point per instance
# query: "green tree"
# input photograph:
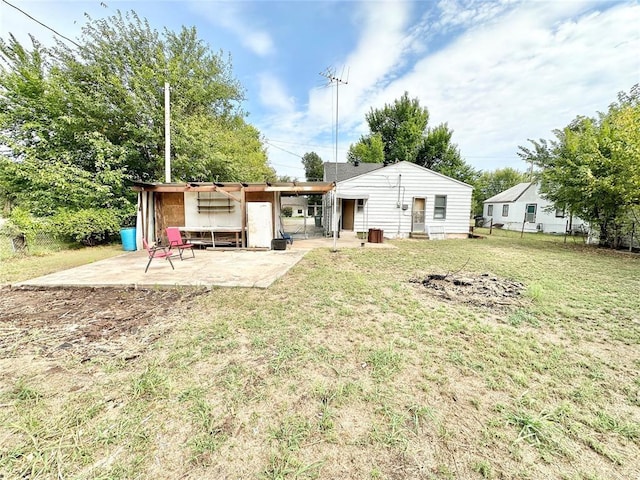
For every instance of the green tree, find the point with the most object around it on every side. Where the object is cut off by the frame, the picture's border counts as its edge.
(402, 129)
(493, 182)
(313, 167)
(119, 77)
(439, 154)
(401, 126)
(592, 167)
(369, 149)
(81, 122)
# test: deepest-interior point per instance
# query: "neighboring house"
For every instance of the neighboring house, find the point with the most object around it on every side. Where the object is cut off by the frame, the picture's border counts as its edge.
(522, 206)
(402, 199)
(298, 205)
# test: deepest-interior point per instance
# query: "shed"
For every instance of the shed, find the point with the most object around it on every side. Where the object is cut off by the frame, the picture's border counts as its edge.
(224, 212)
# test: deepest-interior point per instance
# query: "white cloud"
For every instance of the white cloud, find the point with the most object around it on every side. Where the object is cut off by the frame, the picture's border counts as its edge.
(273, 94)
(371, 66)
(515, 71)
(231, 16)
(533, 71)
(379, 51)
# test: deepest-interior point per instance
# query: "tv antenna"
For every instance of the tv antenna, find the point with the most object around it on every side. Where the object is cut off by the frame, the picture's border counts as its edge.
(330, 75)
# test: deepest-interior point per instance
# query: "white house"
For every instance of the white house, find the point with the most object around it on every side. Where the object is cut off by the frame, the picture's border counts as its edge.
(298, 205)
(522, 206)
(402, 199)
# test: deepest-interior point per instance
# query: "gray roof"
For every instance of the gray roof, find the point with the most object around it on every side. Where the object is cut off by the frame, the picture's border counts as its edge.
(347, 170)
(293, 201)
(511, 194)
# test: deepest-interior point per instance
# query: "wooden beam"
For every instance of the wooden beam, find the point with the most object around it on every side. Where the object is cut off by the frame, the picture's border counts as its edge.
(243, 212)
(187, 188)
(228, 195)
(283, 188)
(297, 189)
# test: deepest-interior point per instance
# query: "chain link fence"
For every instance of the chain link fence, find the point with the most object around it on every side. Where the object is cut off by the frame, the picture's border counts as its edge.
(19, 246)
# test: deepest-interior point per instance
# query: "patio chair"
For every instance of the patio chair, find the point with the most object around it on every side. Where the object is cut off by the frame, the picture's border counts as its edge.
(287, 237)
(157, 252)
(175, 241)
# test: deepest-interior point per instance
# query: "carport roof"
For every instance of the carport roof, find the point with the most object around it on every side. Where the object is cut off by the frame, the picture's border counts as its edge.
(292, 188)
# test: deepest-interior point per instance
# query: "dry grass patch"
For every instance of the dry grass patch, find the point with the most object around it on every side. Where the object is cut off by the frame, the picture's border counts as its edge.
(346, 369)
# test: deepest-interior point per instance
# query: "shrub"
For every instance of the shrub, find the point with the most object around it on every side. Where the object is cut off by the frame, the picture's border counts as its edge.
(89, 227)
(287, 211)
(21, 228)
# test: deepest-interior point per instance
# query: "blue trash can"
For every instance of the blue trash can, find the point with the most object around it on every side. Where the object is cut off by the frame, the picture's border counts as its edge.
(128, 236)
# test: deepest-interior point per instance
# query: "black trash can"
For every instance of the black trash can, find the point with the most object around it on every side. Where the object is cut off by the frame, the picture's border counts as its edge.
(278, 244)
(318, 220)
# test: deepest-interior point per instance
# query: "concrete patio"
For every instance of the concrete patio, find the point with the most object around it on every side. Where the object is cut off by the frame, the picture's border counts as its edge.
(210, 268)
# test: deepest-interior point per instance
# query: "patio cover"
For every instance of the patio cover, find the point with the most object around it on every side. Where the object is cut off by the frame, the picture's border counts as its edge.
(300, 188)
(353, 196)
(225, 188)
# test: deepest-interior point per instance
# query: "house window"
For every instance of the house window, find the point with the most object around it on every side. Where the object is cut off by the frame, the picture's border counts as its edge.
(360, 204)
(440, 207)
(299, 211)
(559, 212)
(489, 210)
(530, 216)
(505, 210)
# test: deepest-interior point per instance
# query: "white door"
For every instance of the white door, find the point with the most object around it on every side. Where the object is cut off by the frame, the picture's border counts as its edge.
(259, 225)
(417, 215)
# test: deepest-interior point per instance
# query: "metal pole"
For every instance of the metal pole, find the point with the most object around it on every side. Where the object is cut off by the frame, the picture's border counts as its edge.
(335, 202)
(167, 133)
(330, 75)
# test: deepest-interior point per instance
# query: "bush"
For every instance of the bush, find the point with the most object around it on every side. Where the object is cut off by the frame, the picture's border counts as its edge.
(89, 227)
(21, 228)
(287, 211)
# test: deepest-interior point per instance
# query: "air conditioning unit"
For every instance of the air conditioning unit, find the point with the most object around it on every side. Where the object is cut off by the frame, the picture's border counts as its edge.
(539, 227)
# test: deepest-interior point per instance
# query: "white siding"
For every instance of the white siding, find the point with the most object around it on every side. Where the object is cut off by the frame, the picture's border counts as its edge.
(391, 187)
(211, 218)
(545, 221)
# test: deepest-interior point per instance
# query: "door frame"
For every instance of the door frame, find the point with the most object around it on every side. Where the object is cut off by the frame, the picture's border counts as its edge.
(417, 226)
(348, 217)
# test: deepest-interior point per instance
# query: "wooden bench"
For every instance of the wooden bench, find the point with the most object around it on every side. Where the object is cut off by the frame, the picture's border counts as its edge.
(209, 235)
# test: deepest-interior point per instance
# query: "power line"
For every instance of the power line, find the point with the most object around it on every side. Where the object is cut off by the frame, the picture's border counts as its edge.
(286, 166)
(283, 149)
(39, 22)
(300, 144)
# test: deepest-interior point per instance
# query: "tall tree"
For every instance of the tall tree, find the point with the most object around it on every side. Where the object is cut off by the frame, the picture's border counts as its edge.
(401, 126)
(403, 131)
(592, 167)
(369, 149)
(98, 110)
(493, 182)
(313, 167)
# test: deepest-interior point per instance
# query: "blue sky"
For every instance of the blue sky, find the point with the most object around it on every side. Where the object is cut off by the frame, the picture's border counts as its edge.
(498, 72)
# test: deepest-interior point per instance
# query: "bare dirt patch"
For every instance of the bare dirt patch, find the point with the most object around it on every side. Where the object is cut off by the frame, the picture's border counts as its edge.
(484, 290)
(85, 323)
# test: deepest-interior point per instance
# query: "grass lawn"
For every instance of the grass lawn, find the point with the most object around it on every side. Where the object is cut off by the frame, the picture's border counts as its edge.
(345, 368)
(23, 268)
